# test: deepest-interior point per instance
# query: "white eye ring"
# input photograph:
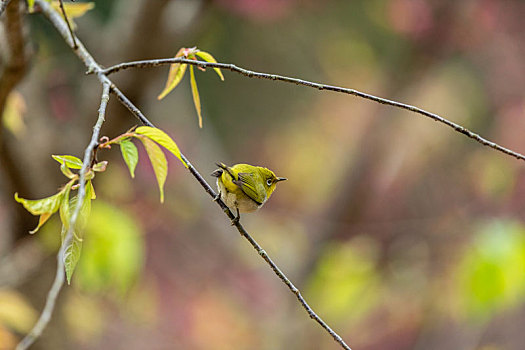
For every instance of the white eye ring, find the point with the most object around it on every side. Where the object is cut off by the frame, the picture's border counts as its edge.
(269, 182)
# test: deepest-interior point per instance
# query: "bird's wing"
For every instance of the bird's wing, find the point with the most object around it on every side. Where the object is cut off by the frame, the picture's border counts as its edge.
(227, 176)
(251, 187)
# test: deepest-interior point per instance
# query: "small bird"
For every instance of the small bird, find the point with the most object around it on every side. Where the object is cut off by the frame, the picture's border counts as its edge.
(244, 188)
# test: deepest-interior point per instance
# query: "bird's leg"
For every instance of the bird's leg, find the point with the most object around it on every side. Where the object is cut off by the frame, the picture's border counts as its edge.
(216, 198)
(236, 219)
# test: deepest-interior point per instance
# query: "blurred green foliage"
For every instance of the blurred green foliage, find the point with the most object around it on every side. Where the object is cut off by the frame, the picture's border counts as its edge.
(401, 233)
(346, 283)
(491, 272)
(113, 251)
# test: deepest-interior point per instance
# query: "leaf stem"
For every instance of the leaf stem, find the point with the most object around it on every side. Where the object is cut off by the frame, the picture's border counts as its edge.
(116, 140)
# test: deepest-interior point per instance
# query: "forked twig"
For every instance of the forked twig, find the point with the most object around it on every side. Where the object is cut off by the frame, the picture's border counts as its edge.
(52, 295)
(95, 68)
(319, 86)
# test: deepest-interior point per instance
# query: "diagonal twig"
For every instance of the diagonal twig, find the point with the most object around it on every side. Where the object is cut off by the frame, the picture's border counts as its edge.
(61, 2)
(52, 295)
(94, 67)
(250, 239)
(319, 86)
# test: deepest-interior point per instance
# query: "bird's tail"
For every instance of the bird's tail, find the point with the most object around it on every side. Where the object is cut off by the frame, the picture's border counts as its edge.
(222, 167)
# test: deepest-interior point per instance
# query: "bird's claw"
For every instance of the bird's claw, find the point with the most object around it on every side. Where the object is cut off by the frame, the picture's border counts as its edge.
(235, 220)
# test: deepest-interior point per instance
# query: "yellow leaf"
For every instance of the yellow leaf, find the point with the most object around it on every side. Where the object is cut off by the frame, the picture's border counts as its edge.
(158, 161)
(93, 194)
(30, 5)
(175, 75)
(195, 94)
(43, 218)
(70, 161)
(162, 139)
(13, 118)
(73, 10)
(209, 58)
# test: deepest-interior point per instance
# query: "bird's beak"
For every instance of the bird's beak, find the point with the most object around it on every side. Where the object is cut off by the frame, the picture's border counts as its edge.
(281, 179)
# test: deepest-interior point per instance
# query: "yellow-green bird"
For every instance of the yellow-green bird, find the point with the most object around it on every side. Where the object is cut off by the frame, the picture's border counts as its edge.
(245, 188)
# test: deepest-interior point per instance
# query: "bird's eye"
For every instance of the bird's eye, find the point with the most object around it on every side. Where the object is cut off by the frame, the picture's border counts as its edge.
(269, 182)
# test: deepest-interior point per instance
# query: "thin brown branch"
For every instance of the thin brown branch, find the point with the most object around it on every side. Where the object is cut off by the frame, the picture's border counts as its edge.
(13, 66)
(319, 86)
(85, 56)
(52, 295)
(93, 67)
(61, 2)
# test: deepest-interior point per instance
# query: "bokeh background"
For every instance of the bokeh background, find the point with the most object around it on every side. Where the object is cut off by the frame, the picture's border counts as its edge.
(401, 233)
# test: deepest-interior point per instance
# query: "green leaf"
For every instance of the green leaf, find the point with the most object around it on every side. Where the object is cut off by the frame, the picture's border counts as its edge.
(175, 75)
(209, 58)
(72, 252)
(70, 161)
(130, 155)
(100, 166)
(83, 215)
(162, 139)
(30, 5)
(64, 206)
(195, 94)
(158, 161)
(44, 207)
(41, 206)
(68, 206)
(73, 10)
(66, 171)
(71, 256)
(90, 175)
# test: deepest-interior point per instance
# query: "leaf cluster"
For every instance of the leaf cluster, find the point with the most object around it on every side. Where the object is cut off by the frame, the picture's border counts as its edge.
(65, 203)
(177, 71)
(151, 138)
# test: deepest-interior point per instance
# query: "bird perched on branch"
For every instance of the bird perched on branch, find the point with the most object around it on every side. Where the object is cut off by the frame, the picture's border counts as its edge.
(243, 187)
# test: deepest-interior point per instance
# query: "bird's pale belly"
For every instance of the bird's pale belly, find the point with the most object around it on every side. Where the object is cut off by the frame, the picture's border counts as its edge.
(242, 202)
